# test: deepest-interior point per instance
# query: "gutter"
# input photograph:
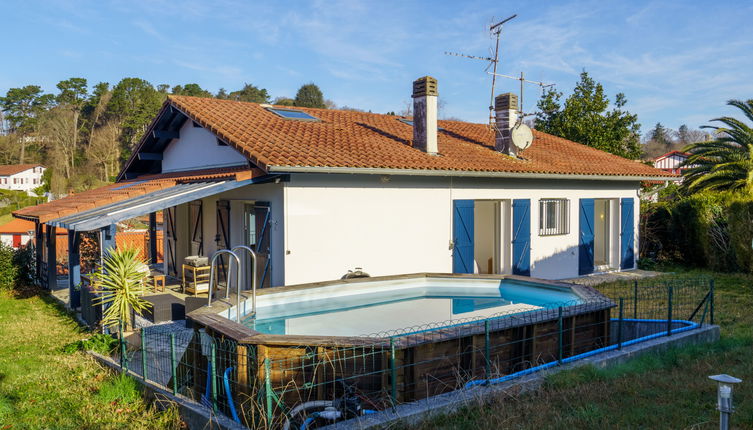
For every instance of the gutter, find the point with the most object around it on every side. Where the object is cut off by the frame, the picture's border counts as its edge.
(458, 173)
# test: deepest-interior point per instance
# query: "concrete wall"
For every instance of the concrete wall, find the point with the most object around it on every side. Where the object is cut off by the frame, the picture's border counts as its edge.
(197, 148)
(393, 225)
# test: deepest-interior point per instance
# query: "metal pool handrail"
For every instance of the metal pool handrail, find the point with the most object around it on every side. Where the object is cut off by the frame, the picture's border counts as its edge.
(229, 271)
(253, 280)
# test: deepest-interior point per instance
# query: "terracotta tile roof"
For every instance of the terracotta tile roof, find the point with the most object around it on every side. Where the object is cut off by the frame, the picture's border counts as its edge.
(127, 189)
(22, 226)
(12, 169)
(367, 140)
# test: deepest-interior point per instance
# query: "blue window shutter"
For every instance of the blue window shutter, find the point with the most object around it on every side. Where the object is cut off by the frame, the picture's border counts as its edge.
(627, 234)
(462, 232)
(586, 244)
(521, 237)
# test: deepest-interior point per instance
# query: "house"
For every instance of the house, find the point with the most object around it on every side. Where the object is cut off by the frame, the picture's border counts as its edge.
(318, 192)
(671, 162)
(21, 177)
(16, 233)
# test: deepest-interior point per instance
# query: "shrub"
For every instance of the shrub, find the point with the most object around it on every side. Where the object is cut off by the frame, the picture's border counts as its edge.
(8, 269)
(24, 259)
(740, 216)
(100, 343)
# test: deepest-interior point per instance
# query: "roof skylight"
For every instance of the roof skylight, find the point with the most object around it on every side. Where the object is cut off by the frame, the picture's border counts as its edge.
(293, 114)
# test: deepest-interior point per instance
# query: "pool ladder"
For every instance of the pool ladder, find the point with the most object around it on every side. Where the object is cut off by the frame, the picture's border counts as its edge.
(233, 253)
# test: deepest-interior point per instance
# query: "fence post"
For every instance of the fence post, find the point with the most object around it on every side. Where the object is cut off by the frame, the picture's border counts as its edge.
(635, 299)
(143, 354)
(393, 373)
(268, 389)
(711, 297)
(173, 365)
(487, 352)
(619, 325)
(559, 335)
(213, 369)
(669, 310)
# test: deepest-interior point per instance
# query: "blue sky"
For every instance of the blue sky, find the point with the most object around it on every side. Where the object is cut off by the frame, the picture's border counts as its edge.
(677, 62)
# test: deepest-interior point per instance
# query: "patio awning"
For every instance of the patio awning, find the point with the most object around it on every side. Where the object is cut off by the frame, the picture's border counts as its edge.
(151, 202)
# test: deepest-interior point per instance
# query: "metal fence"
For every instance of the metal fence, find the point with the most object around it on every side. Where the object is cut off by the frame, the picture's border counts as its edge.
(274, 384)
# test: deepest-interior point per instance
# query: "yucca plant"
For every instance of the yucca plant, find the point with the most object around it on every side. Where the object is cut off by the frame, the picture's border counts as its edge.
(120, 281)
(726, 162)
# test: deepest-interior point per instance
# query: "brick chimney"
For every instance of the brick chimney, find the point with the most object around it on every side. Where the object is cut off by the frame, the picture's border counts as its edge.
(506, 109)
(425, 114)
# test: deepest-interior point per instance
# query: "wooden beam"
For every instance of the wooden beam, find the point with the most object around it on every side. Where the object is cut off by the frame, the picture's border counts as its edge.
(165, 134)
(151, 156)
(52, 272)
(153, 238)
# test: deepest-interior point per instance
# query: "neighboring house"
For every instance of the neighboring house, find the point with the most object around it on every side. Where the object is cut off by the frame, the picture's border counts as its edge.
(21, 177)
(317, 192)
(19, 232)
(671, 162)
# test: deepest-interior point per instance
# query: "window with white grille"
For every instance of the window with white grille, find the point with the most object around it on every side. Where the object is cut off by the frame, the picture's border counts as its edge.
(554, 217)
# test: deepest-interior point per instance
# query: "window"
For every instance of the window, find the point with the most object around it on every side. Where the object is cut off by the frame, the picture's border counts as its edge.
(293, 114)
(554, 217)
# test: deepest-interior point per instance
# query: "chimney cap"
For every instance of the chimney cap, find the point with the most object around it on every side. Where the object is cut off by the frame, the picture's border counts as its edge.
(425, 86)
(506, 101)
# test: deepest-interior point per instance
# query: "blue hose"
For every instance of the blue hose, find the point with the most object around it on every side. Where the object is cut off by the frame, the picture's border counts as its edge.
(205, 398)
(309, 420)
(226, 380)
(690, 325)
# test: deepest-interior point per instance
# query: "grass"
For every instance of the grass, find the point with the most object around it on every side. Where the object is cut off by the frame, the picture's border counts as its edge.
(5, 219)
(663, 390)
(42, 387)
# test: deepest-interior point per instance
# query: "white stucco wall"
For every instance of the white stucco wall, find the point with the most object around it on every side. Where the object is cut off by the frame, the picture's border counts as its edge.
(7, 239)
(197, 149)
(337, 222)
(23, 181)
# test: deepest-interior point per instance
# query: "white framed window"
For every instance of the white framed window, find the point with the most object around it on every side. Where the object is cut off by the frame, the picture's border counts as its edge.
(554, 217)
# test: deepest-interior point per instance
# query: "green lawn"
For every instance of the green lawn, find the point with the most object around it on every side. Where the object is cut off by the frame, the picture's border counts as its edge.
(42, 387)
(657, 391)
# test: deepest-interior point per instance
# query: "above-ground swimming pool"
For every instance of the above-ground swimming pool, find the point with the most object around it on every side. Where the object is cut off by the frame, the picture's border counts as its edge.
(388, 305)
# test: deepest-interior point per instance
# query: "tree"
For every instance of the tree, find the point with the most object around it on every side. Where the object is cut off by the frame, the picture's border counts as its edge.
(134, 103)
(310, 95)
(191, 90)
(585, 118)
(725, 162)
(95, 106)
(250, 93)
(73, 94)
(283, 101)
(686, 136)
(57, 131)
(104, 150)
(22, 107)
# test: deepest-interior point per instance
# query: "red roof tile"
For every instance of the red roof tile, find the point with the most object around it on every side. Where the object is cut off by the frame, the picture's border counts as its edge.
(367, 140)
(124, 190)
(12, 169)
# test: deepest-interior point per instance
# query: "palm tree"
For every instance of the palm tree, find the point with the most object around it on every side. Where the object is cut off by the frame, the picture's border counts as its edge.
(121, 284)
(726, 162)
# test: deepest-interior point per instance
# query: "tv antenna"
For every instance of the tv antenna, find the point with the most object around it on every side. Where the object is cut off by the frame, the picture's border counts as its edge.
(496, 30)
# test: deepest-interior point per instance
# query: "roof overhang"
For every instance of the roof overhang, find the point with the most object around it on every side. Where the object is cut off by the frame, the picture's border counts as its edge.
(462, 173)
(155, 201)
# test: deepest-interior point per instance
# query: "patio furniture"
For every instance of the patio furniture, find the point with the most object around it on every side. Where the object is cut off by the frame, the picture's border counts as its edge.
(159, 282)
(195, 279)
(165, 307)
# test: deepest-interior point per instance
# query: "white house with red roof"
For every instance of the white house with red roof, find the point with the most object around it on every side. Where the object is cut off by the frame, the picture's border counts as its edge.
(21, 177)
(318, 192)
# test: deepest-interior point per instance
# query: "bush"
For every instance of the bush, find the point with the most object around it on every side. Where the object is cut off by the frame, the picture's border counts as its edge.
(740, 221)
(8, 268)
(100, 343)
(25, 260)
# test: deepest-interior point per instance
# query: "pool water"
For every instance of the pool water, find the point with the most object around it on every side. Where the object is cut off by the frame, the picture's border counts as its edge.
(355, 310)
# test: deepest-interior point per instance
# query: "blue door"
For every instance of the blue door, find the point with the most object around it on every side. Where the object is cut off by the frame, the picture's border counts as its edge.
(521, 237)
(586, 244)
(462, 236)
(627, 234)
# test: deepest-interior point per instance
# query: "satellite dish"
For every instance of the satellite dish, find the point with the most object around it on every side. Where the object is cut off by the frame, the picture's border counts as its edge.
(522, 136)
